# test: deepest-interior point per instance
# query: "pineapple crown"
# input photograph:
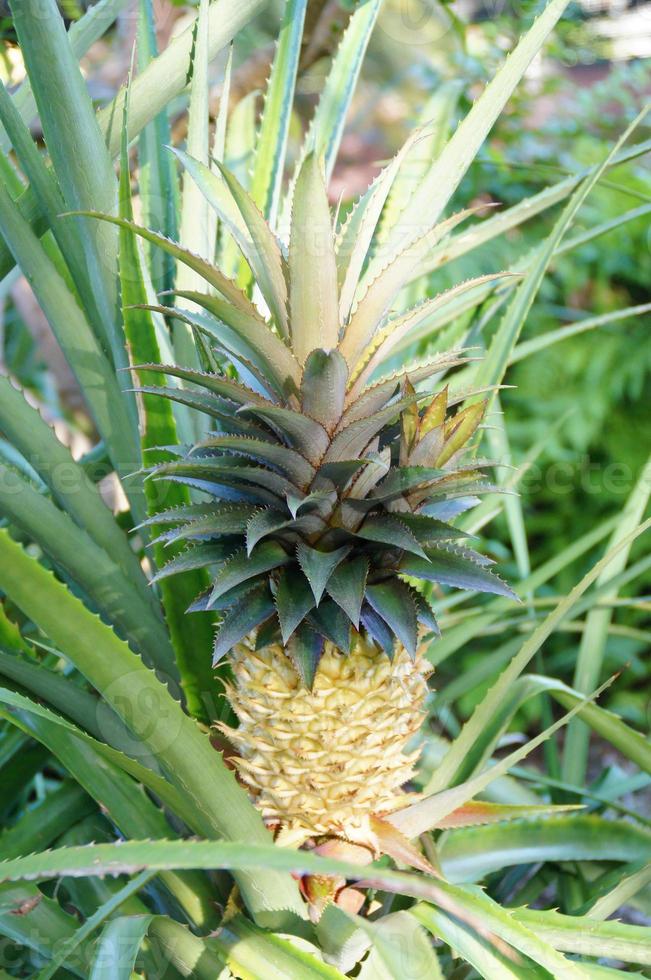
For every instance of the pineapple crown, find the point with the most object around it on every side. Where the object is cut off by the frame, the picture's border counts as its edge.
(330, 483)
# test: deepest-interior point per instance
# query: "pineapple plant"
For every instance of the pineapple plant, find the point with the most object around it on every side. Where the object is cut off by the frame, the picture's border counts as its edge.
(299, 462)
(331, 481)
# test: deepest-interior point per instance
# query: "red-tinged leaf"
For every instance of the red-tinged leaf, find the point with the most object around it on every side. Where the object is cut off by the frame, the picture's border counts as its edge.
(396, 846)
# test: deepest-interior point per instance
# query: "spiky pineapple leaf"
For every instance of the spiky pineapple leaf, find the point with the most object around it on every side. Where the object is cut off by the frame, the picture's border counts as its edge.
(323, 387)
(301, 432)
(428, 529)
(210, 273)
(331, 621)
(393, 600)
(218, 384)
(253, 235)
(271, 142)
(448, 567)
(294, 599)
(390, 530)
(313, 295)
(247, 615)
(305, 648)
(197, 556)
(256, 332)
(346, 586)
(318, 566)
(241, 567)
(288, 461)
(378, 629)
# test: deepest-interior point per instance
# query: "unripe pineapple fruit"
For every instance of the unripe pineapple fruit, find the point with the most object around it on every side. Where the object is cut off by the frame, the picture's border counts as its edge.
(326, 483)
(321, 761)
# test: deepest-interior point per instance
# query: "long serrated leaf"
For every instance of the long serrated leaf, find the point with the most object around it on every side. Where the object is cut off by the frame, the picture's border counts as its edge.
(83, 352)
(445, 773)
(247, 615)
(318, 566)
(271, 142)
(593, 642)
(73, 549)
(436, 189)
(294, 600)
(323, 387)
(394, 602)
(191, 637)
(109, 665)
(346, 586)
(451, 568)
(256, 332)
(326, 128)
(313, 295)
(242, 566)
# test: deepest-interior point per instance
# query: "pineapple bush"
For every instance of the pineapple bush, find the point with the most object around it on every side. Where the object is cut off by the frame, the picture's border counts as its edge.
(307, 444)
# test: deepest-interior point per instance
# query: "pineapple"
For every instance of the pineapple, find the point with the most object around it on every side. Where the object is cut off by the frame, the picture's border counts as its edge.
(328, 482)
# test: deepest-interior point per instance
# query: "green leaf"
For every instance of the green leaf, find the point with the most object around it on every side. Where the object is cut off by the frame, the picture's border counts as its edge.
(473, 728)
(91, 568)
(247, 615)
(305, 648)
(191, 637)
(400, 948)
(28, 431)
(585, 936)
(318, 566)
(93, 922)
(271, 141)
(39, 827)
(593, 642)
(295, 466)
(301, 432)
(242, 566)
(82, 351)
(327, 126)
(313, 295)
(323, 387)
(194, 767)
(294, 600)
(355, 237)
(394, 602)
(157, 177)
(492, 368)
(118, 946)
(167, 75)
(391, 531)
(455, 568)
(281, 363)
(478, 950)
(380, 291)
(82, 165)
(472, 853)
(434, 192)
(251, 232)
(347, 585)
(332, 623)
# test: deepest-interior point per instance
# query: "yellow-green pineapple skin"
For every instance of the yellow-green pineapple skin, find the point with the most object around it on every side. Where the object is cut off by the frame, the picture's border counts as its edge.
(323, 761)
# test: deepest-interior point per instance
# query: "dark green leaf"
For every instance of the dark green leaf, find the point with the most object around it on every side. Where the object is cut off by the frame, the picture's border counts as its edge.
(450, 568)
(323, 387)
(318, 566)
(394, 602)
(346, 586)
(294, 600)
(389, 530)
(378, 630)
(305, 648)
(249, 613)
(241, 567)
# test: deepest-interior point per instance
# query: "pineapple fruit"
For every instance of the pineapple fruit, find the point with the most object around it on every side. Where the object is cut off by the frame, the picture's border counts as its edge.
(328, 482)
